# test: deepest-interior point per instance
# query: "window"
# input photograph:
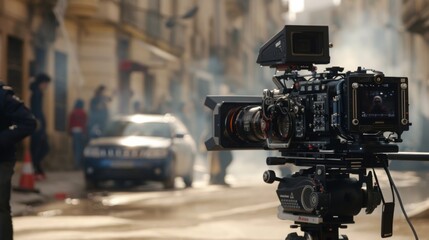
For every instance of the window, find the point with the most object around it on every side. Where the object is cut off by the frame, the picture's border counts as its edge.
(15, 64)
(60, 91)
(149, 89)
(129, 11)
(235, 38)
(154, 18)
(123, 48)
(175, 93)
(245, 60)
(148, 129)
(38, 65)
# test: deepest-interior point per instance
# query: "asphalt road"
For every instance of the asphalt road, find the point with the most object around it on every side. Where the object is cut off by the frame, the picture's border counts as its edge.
(205, 212)
(244, 211)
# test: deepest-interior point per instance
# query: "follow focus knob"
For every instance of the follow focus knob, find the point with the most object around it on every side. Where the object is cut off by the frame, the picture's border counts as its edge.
(270, 176)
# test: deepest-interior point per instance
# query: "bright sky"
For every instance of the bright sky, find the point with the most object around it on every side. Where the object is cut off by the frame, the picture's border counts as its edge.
(296, 6)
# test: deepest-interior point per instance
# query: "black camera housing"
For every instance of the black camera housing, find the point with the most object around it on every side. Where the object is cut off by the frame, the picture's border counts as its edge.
(337, 124)
(331, 113)
(300, 45)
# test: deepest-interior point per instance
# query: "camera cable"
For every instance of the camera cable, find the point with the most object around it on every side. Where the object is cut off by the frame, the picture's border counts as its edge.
(381, 194)
(393, 186)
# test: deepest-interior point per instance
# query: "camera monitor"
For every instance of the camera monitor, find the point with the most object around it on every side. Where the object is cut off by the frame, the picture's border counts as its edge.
(378, 106)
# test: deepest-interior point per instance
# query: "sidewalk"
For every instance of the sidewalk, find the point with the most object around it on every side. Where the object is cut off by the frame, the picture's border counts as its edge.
(68, 184)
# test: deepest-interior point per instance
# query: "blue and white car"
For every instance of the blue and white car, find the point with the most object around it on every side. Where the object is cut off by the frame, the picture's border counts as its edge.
(141, 148)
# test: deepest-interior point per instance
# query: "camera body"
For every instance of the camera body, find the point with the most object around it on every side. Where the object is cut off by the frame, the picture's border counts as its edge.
(336, 123)
(333, 112)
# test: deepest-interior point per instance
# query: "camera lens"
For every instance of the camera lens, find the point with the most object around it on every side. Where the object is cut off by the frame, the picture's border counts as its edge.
(246, 123)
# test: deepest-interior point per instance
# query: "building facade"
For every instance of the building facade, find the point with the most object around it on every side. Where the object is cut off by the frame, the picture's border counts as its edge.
(165, 54)
(387, 35)
(415, 22)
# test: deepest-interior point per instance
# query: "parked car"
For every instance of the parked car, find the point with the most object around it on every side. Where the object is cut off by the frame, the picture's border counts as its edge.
(141, 148)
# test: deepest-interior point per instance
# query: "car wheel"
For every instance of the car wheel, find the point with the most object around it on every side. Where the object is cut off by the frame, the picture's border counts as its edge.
(169, 181)
(91, 184)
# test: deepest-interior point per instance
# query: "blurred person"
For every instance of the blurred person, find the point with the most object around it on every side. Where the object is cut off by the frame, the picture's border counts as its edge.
(219, 162)
(16, 123)
(137, 107)
(166, 107)
(39, 139)
(205, 134)
(377, 106)
(99, 112)
(77, 128)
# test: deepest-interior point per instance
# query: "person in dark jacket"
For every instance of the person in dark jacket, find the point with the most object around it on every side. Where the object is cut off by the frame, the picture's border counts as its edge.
(377, 106)
(220, 160)
(39, 140)
(99, 112)
(16, 122)
(77, 129)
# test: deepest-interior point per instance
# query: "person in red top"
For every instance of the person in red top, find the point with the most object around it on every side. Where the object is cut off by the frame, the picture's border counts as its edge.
(77, 127)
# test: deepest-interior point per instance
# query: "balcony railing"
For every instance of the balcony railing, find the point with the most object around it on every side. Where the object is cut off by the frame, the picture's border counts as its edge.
(82, 8)
(152, 27)
(415, 15)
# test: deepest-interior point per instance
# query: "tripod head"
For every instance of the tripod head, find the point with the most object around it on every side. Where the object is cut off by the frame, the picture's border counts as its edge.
(326, 196)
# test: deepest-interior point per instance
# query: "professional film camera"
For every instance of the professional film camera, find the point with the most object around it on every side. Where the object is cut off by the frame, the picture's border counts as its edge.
(339, 124)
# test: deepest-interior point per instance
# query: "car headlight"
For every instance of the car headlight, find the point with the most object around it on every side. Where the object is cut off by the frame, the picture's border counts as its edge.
(91, 152)
(155, 153)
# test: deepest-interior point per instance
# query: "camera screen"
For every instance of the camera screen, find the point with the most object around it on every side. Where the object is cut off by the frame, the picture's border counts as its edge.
(378, 103)
(307, 43)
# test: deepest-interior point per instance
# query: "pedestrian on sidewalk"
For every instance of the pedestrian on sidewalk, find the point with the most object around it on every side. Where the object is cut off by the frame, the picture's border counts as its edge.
(77, 129)
(39, 140)
(219, 162)
(99, 112)
(137, 107)
(16, 122)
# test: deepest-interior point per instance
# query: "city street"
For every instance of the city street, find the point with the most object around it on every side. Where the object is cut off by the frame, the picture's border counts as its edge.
(245, 210)
(156, 120)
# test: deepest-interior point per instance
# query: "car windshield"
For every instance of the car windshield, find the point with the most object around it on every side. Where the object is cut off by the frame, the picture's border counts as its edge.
(127, 128)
